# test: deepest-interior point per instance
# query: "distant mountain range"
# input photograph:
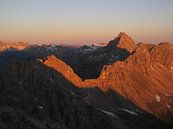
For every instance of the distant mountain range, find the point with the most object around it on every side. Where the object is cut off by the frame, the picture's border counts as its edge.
(118, 85)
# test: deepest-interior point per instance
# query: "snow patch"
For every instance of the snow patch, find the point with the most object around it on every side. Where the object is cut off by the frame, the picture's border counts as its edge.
(72, 93)
(168, 106)
(167, 95)
(109, 113)
(171, 68)
(128, 111)
(36, 98)
(41, 107)
(51, 80)
(157, 97)
(20, 83)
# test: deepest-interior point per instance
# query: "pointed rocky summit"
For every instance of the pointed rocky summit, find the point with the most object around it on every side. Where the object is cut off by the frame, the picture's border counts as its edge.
(123, 41)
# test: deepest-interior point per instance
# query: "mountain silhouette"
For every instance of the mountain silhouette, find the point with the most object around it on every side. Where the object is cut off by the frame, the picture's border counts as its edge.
(35, 96)
(143, 78)
(117, 86)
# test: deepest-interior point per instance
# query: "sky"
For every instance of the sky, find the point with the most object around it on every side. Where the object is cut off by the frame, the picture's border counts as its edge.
(85, 21)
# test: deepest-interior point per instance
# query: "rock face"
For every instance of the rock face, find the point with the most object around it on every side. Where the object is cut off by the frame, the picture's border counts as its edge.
(46, 87)
(90, 65)
(123, 41)
(142, 76)
(11, 46)
(145, 78)
(63, 68)
(34, 96)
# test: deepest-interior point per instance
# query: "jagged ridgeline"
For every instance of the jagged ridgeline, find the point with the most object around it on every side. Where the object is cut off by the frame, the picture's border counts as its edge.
(118, 85)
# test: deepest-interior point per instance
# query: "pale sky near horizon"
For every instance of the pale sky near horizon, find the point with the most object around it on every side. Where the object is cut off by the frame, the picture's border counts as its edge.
(85, 21)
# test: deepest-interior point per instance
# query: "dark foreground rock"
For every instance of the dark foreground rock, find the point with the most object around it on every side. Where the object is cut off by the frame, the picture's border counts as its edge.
(34, 96)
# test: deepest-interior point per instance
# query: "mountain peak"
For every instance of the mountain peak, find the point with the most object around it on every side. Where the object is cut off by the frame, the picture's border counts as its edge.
(52, 57)
(123, 41)
(122, 34)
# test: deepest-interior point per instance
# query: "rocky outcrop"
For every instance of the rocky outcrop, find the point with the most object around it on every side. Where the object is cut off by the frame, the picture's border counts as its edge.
(145, 78)
(35, 96)
(119, 49)
(63, 68)
(11, 46)
(123, 41)
(68, 72)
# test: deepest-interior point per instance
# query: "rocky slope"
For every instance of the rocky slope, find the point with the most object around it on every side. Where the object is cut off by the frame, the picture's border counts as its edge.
(34, 96)
(11, 46)
(123, 41)
(145, 78)
(41, 90)
(63, 68)
(90, 65)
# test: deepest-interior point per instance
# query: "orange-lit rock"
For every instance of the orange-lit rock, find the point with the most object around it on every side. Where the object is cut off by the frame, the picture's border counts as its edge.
(123, 41)
(145, 74)
(63, 68)
(12, 45)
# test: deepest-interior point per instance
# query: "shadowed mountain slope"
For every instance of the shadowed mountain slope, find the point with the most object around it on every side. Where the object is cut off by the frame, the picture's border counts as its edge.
(145, 78)
(43, 91)
(34, 96)
(91, 64)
